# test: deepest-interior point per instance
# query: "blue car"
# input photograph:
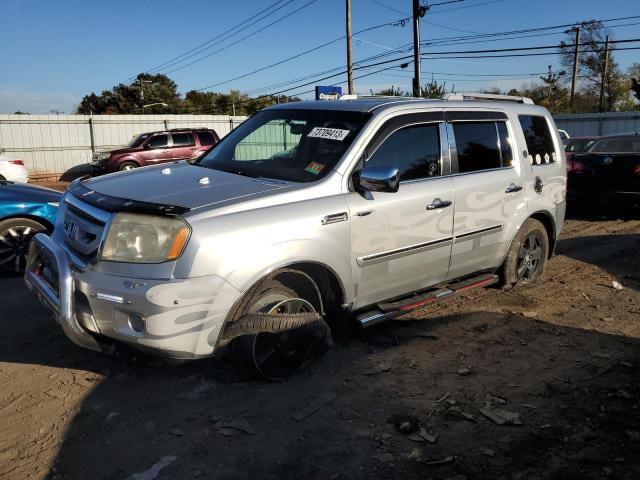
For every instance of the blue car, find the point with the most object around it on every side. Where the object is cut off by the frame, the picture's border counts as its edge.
(24, 211)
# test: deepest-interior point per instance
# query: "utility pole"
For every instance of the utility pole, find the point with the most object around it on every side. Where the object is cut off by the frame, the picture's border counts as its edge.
(605, 70)
(576, 53)
(349, 61)
(416, 47)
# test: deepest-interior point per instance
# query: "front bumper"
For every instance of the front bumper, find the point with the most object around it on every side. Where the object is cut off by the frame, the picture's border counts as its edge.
(49, 275)
(175, 318)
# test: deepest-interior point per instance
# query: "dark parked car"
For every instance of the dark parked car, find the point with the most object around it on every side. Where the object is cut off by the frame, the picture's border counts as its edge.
(155, 147)
(576, 145)
(609, 171)
(24, 211)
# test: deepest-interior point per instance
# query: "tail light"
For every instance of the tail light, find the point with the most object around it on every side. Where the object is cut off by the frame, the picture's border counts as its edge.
(637, 169)
(578, 167)
(17, 162)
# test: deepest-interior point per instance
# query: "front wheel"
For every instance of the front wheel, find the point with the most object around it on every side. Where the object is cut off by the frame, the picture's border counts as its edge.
(279, 326)
(125, 166)
(15, 235)
(527, 255)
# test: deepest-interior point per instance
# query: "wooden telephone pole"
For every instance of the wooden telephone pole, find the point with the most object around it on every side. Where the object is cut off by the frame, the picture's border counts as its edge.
(576, 53)
(349, 59)
(605, 70)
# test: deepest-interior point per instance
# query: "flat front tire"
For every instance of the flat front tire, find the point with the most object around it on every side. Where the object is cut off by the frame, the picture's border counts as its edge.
(277, 330)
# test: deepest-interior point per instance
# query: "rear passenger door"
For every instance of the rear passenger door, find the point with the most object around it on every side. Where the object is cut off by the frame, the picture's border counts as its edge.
(184, 146)
(488, 189)
(401, 241)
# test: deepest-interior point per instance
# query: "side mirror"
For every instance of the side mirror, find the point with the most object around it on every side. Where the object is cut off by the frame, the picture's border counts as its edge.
(377, 178)
(146, 146)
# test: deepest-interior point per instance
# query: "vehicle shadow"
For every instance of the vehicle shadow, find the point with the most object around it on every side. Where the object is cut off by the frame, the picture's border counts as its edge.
(621, 263)
(596, 212)
(573, 389)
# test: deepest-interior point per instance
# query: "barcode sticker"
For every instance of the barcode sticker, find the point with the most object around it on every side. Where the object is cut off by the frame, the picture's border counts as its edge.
(328, 133)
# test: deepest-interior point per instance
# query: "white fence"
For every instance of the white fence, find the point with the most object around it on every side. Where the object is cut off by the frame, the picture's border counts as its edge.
(589, 124)
(52, 144)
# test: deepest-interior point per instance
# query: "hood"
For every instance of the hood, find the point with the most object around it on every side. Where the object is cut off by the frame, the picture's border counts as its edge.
(27, 193)
(181, 184)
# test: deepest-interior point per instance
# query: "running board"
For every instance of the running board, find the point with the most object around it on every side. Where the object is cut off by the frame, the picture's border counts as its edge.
(388, 310)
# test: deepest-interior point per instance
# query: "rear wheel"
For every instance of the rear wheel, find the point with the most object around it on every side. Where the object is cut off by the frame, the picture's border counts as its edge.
(124, 166)
(279, 327)
(527, 254)
(15, 236)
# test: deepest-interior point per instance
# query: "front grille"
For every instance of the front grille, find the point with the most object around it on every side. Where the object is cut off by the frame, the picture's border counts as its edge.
(83, 227)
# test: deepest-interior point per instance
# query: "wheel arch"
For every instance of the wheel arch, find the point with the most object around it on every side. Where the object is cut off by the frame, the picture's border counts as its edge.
(329, 285)
(546, 219)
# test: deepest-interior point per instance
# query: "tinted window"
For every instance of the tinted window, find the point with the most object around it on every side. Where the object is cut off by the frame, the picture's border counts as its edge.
(414, 150)
(137, 140)
(538, 137)
(158, 141)
(617, 144)
(182, 139)
(478, 146)
(577, 145)
(206, 138)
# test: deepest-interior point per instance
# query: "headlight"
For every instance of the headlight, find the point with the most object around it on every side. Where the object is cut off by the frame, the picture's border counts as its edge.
(144, 239)
(103, 155)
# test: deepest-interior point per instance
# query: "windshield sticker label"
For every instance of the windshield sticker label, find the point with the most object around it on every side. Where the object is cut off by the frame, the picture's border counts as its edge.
(328, 133)
(314, 167)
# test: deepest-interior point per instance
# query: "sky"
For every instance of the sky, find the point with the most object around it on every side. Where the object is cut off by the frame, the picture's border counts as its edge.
(54, 52)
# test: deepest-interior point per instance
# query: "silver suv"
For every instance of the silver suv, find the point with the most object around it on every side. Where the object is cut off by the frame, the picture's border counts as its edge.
(362, 208)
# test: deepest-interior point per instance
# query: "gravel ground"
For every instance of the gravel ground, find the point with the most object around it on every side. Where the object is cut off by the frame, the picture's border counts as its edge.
(530, 383)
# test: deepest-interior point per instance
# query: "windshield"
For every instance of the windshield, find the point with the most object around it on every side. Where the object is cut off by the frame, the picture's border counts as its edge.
(578, 145)
(289, 145)
(137, 140)
(630, 144)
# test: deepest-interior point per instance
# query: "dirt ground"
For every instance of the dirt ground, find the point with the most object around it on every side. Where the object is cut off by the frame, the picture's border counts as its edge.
(564, 355)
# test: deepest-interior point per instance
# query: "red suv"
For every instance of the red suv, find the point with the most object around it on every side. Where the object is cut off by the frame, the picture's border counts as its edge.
(155, 147)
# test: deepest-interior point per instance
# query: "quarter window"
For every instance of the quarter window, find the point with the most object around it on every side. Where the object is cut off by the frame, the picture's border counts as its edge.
(482, 146)
(206, 138)
(539, 140)
(414, 150)
(182, 139)
(158, 141)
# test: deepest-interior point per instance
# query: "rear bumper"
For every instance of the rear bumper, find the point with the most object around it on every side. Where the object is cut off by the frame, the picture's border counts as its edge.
(172, 318)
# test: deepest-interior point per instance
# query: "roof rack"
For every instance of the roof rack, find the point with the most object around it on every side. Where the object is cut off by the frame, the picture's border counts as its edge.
(486, 96)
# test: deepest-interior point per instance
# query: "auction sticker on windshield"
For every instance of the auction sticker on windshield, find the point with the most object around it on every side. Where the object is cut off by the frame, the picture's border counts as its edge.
(328, 133)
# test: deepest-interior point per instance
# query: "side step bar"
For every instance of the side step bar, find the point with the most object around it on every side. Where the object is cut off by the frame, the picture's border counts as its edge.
(388, 310)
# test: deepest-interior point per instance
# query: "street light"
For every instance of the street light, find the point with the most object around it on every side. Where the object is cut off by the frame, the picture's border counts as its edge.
(154, 104)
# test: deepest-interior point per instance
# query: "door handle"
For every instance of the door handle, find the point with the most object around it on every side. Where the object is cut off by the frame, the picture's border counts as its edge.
(437, 203)
(513, 188)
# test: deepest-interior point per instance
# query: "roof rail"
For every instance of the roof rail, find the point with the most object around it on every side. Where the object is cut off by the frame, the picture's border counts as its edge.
(486, 96)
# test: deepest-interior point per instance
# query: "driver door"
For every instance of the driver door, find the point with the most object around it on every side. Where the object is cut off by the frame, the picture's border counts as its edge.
(401, 241)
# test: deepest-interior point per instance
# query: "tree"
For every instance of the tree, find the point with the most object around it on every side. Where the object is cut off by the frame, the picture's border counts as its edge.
(391, 92)
(434, 90)
(591, 63)
(130, 98)
(634, 76)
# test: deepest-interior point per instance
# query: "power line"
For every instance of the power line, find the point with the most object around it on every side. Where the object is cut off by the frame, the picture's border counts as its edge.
(228, 31)
(243, 38)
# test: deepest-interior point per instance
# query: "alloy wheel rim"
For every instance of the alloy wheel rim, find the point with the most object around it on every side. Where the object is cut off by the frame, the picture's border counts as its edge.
(278, 355)
(529, 258)
(14, 247)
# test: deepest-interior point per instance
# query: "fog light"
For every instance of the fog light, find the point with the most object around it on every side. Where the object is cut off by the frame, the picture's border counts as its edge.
(136, 322)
